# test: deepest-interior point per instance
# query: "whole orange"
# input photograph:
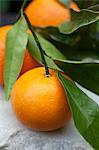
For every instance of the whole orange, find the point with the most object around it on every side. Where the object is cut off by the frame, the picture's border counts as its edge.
(28, 63)
(40, 102)
(48, 12)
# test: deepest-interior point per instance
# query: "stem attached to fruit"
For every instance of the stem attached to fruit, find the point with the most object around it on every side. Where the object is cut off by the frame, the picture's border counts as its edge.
(39, 45)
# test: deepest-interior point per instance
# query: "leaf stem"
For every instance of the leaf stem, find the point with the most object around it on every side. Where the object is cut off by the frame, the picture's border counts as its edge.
(23, 5)
(39, 45)
(21, 10)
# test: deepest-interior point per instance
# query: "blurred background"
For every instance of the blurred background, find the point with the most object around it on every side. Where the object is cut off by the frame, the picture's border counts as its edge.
(10, 8)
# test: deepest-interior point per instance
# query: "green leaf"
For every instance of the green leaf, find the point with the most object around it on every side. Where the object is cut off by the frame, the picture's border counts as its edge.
(83, 4)
(54, 34)
(49, 49)
(16, 42)
(94, 32)
(79, 19)
(94, 28)
(51, 64)
(85, 112)
(75, 44)
(86, 74)
(94, 7)
(86, 61)
(66, 2)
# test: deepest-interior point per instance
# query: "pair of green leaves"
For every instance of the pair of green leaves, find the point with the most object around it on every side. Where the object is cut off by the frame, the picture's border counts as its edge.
(17, 40)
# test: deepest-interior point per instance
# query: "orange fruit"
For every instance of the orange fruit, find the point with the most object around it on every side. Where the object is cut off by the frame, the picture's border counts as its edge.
(28, 63)
(40, 102)
(44, 13)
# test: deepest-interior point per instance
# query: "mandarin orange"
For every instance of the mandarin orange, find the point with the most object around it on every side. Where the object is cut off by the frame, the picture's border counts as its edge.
(40, 102)
(44, 13)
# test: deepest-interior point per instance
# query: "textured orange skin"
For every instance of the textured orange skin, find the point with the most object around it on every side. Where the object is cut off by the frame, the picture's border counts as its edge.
(28, 63)
(40, 102)
(48, 12)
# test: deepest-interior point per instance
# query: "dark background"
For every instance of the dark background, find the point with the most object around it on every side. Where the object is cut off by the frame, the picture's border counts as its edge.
(9, 10)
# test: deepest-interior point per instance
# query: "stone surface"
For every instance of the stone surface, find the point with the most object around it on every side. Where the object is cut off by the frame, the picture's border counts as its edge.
(15, 136)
